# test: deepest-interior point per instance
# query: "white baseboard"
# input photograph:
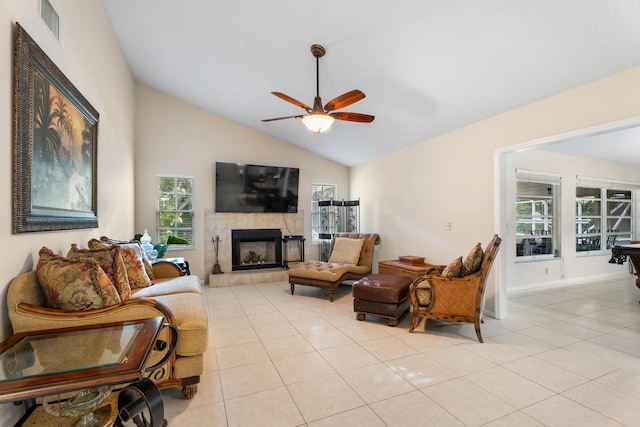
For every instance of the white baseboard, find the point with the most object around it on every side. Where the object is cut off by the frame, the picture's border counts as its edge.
(513, 290)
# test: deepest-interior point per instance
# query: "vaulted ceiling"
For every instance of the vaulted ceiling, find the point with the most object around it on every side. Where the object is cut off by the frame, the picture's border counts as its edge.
(426, 66)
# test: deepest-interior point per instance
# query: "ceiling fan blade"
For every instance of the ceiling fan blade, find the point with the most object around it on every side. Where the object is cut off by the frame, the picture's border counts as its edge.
(282, 118)
(291, 100)
(353, 117)
(344, 100)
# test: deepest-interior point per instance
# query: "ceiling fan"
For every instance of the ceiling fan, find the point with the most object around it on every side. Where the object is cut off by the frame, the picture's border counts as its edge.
(319, 119)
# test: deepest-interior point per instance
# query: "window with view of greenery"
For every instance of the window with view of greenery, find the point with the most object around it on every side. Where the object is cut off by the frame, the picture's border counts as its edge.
(319, 192)
(175, 203)
(536, 218)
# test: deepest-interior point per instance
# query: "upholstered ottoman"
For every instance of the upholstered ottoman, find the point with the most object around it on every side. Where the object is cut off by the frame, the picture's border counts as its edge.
(385, 295)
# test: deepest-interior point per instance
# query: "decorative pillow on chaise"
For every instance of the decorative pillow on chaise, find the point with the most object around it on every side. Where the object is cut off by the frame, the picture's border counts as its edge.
(454, 269)
(346, 251)
(110, 260)
(473, 262)
(133, 261)
(74, 285)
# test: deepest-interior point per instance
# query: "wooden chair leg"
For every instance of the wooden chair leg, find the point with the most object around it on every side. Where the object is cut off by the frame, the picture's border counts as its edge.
(414, 322)
(331, 294)
(292, 288)
(476, 323)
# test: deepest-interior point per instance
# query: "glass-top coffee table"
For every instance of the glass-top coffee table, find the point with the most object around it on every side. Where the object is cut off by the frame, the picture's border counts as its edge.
(44, 363)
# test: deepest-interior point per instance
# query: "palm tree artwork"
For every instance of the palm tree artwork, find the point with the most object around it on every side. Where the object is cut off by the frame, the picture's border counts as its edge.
(61, 173)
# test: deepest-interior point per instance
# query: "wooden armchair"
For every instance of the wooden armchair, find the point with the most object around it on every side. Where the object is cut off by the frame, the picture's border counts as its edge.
(454, 299)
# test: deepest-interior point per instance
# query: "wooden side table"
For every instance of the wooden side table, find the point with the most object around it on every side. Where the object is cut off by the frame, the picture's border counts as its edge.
(403, 268)
(56, 361)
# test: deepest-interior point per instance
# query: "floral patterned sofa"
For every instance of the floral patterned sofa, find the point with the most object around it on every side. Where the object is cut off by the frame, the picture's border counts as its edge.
(113, 281)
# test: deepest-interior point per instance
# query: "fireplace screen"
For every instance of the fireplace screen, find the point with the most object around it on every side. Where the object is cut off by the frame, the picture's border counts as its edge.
(256, 248)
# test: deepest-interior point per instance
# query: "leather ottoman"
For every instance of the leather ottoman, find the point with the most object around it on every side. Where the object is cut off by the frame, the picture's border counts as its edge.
(385, 295)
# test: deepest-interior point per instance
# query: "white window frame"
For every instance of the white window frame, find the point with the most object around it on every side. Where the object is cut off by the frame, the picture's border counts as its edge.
(606, 187)
(180, 231)
(554, 183)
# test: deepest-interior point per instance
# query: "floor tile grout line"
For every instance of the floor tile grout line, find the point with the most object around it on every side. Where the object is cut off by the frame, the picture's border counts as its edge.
(360, 341)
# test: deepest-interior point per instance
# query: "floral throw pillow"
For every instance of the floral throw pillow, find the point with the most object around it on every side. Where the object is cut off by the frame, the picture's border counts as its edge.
(473, 262)
(454, 269)
(133, 261)
(110, 259)
(74, 285)
(142, 255)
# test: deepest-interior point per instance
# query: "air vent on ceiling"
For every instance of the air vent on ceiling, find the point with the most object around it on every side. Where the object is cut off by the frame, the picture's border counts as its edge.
(50, 17)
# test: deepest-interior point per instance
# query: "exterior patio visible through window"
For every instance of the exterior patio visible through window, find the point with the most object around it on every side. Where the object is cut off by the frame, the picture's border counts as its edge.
(536, 215)
(604, 215)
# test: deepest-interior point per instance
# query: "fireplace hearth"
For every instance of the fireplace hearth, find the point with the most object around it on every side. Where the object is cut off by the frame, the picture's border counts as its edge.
(256, 248)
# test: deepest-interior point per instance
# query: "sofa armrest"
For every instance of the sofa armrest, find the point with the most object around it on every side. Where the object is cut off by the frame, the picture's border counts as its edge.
(166, 270)
(27, 317)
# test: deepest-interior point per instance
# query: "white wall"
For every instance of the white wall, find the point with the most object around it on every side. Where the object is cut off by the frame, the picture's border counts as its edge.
(568, 266)
(176, 138)
(89, 55)
(410, 194)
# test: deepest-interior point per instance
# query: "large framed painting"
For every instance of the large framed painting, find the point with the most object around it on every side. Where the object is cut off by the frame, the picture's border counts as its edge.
(55, 146)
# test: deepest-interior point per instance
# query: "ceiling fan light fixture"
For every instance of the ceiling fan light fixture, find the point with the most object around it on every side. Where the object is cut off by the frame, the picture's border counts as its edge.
(318, 123)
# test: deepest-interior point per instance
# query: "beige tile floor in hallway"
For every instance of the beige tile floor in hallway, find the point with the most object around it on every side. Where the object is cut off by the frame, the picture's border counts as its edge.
(564, 357)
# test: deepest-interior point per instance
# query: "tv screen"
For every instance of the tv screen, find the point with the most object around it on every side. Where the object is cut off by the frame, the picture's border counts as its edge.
(256, 188)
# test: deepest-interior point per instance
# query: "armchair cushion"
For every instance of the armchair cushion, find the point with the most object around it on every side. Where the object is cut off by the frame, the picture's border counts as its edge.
(454, 269)
(110, 260)
(473, 261)
(74, 284)
(346, 251)
(424, 293)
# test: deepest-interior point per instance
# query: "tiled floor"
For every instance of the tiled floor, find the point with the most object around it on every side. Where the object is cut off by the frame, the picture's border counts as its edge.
(564, 357)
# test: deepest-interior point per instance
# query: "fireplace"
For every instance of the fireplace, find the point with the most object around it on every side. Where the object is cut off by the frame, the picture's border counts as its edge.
(256, 248)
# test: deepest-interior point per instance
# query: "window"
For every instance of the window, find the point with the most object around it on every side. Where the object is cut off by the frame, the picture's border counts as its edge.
(604, 215)
(536, 215)
(175, 202)
(319, 192)
(588, 219)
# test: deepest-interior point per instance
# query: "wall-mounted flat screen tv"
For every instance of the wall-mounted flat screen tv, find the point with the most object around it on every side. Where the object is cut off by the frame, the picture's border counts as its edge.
(255, 188)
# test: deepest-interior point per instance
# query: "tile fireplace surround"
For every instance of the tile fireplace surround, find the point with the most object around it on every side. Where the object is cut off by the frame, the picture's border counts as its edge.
(221, 224)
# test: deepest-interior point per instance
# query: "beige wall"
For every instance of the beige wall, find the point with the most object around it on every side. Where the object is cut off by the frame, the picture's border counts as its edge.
(410, 194)
(89, 55)
(176, 138)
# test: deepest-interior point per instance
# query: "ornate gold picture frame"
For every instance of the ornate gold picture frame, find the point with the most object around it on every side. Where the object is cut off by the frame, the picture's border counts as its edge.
(55, 146)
